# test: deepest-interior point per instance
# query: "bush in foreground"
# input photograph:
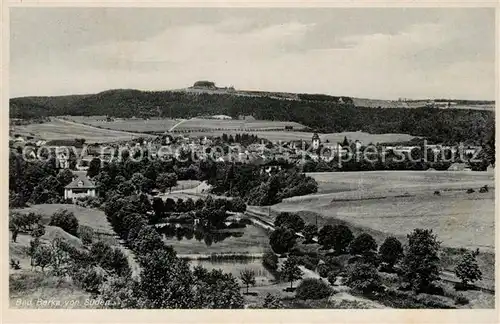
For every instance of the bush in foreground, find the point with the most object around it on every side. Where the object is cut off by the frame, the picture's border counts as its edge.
(313, 289)
(390, 252)
(363, 277)
(468, 269)
(272, 302)
(65, 220)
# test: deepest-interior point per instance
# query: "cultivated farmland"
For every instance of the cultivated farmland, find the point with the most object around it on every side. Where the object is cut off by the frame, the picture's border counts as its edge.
(395, 202)
(240, 125)
(58, 129)
(127, 124)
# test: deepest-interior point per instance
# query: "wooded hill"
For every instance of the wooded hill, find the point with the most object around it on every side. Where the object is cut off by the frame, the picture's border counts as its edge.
(321, 113)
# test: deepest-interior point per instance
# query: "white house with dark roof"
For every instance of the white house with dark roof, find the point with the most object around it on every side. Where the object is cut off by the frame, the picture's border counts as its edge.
(80, 187)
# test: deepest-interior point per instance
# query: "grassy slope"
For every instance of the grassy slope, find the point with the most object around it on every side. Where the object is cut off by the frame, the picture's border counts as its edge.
(56, 130)
(86, 216)
(366, 202)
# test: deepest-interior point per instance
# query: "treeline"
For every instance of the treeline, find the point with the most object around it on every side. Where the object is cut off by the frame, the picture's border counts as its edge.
(244, 139)
(36, 182)
(320, 114)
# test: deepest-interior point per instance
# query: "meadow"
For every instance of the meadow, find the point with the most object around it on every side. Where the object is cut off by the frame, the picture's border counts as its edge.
(95, 130)
(396, 202)
(94, 218)
(128, 124)
(241, 125)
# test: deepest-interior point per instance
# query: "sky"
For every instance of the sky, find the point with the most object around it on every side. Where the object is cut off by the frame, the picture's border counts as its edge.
(384, 53)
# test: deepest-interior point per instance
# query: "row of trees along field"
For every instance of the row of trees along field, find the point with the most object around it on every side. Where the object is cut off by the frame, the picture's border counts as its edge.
(326, 116)
(360, 260)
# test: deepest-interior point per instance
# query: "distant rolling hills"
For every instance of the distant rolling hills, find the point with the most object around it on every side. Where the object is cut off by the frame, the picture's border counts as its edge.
(319, 112)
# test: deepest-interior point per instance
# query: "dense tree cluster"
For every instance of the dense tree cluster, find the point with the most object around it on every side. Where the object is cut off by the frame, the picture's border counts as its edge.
(165, 281)
(258, 187)
(36, 181)
(244, 139)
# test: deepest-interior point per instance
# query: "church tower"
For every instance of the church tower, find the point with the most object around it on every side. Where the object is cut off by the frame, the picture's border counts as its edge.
(315, 141)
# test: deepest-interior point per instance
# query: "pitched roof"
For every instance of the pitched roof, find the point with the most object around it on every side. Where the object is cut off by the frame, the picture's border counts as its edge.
(81, 181)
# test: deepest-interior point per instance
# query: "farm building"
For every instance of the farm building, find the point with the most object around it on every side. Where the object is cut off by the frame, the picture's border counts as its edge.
(459, 167)
(80, 187)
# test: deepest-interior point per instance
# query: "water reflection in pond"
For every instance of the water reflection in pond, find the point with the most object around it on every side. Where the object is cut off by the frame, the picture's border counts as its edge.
(209, 237)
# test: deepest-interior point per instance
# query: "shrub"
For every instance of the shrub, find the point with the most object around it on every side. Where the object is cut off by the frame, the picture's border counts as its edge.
(19, 223)
(363, 244)
(309, 232)
(270, 261)
(43, 256)
(437, 193)
(313, 289)
(272, 302)
(337, 237)
(323, 270)
(484, 189)
(332, 277)
(289, 220)
(309, 262)
(90, 279)
(86, 234)
(282, 240)
(470, 190)
(65, 220)
(390, 252)
(468, 269)
(14, 264)
(461, 300)
(363, 277)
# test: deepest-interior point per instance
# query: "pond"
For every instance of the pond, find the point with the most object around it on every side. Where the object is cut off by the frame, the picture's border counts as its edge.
(188, 240)
(262, 275)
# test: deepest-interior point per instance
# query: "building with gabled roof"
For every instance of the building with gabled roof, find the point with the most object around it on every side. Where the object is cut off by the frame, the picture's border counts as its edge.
(80, 187)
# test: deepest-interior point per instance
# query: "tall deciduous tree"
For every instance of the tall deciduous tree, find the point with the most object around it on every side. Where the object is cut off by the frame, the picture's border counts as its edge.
(247, 276)
(291, 271)
(467, 269)
(390, 252)
(421, 261)
(166, 181)
(282, 240)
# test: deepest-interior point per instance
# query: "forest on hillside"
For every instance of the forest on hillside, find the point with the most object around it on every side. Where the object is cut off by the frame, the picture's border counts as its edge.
(324, 114)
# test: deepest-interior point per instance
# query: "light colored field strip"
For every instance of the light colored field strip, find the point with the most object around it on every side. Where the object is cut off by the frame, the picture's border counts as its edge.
(118, 132)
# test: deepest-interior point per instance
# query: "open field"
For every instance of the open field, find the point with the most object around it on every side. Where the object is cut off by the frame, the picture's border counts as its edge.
(165, 124)
(396, 202)
(58, 129)
(94, 218)
(241, 125)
